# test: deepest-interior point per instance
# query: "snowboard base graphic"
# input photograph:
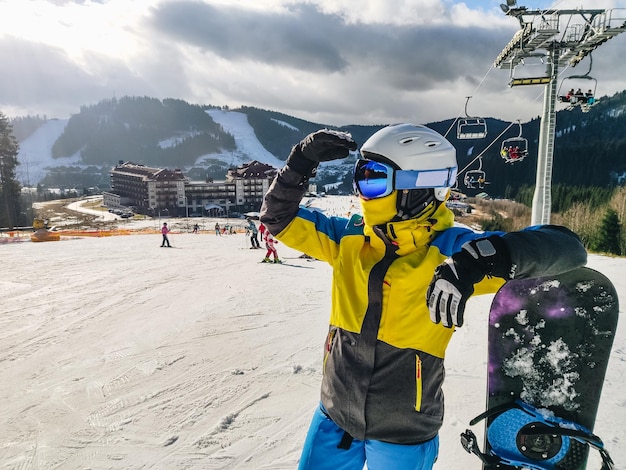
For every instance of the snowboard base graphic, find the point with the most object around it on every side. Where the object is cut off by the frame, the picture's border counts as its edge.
(549, 344)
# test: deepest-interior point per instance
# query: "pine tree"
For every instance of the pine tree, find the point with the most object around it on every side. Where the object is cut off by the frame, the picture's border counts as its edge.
(9, 187)
(608, 239)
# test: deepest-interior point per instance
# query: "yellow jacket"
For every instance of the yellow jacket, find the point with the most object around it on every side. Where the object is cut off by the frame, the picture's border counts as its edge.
(383, 358)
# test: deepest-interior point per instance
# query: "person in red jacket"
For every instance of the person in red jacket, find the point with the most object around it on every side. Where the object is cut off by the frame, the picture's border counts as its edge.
(270, 244)
(262, 231)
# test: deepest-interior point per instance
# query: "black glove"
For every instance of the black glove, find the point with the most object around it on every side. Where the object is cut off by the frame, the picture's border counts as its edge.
(320, 146)
(454, 279)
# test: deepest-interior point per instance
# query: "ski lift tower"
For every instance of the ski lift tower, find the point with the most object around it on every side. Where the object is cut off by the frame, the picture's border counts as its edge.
(558, 38)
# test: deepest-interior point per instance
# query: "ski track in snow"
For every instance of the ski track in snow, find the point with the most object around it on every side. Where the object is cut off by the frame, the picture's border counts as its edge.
(116, 353)
(171, 365)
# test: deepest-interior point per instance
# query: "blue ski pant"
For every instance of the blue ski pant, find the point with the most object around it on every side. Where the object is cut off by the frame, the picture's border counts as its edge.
(321, 451)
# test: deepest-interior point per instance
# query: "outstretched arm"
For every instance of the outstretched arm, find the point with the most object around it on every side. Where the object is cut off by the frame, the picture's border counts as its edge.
(545, 251)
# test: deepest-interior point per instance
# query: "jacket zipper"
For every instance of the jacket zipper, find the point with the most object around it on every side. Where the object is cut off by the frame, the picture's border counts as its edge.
(418, 383)
(329, 346)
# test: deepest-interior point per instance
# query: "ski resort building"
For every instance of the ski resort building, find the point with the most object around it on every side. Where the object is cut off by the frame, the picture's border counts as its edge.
(157, 191)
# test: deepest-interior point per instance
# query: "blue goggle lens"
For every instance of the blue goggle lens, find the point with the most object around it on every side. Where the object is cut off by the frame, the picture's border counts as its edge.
(373, 179)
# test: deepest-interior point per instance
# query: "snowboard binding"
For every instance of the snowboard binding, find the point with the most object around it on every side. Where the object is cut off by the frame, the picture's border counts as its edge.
(522, 436)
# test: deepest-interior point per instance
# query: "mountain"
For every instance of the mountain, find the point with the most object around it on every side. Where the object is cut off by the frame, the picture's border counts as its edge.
(204, 141)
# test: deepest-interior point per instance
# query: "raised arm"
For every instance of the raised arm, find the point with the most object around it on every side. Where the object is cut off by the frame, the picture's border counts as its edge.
(282, 200)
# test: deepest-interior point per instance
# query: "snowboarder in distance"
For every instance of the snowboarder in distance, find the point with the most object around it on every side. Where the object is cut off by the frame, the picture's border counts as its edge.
(164, 231)
(254, 235)
(270, 244)
(218, 231)
(402, 273)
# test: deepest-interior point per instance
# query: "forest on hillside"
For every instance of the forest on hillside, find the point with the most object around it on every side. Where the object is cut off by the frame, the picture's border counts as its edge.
(142, 130)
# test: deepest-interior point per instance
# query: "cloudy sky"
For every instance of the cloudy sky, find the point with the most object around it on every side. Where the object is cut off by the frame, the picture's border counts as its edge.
(327, 61)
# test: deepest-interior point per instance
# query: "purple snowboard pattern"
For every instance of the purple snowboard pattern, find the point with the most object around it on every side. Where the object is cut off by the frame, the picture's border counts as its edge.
(549, 343)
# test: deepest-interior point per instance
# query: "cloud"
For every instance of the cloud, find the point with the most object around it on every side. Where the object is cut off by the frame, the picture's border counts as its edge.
(38, 74)
(41, 77)
(325, 64)
(322, 60)
(307, 39)
(301, 38)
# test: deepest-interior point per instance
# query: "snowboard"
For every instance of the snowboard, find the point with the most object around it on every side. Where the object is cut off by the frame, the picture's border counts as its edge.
(549, 343)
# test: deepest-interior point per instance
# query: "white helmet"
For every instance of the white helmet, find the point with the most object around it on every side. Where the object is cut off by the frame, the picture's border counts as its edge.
(418, 148)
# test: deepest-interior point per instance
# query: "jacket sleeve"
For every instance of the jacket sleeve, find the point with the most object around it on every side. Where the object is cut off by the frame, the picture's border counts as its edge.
(282, 200)
(544, 250)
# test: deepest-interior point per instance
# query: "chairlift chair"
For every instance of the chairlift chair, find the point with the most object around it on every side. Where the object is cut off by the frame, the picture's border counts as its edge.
(587, 86)
(534, 76)
(514, 149)
(471, 127)
(586, 100)
(474, 179)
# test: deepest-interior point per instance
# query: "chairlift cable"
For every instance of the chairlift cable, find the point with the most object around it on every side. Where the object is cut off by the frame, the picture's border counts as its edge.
(468, 97)
(451, 126)
(484, 77)
(569, 20)
(555, 5)
(456, 119)
(519, 122)
(497, 138)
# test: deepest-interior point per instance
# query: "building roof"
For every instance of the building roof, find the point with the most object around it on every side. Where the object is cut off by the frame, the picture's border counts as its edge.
(149, 173)
(254, 169)
(168, 175)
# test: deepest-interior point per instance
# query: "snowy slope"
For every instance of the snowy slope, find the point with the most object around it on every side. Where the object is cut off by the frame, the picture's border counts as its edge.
(118, 354)
(35, 154)
(248, 146)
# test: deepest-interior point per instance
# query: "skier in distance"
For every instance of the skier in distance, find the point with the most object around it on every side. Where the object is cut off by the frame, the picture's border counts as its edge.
(164, 231)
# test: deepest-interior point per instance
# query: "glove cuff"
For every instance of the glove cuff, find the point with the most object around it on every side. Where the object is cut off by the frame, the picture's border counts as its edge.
(492, 254)
(300, 164)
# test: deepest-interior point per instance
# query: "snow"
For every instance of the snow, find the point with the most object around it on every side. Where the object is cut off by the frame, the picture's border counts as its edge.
(285, 124)
(77, 206)
(176, 140)
(35, 153)
(248, 146)
(116, 353)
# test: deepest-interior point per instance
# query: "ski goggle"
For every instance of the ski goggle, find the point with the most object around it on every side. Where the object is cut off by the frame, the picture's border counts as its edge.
(375, 179)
